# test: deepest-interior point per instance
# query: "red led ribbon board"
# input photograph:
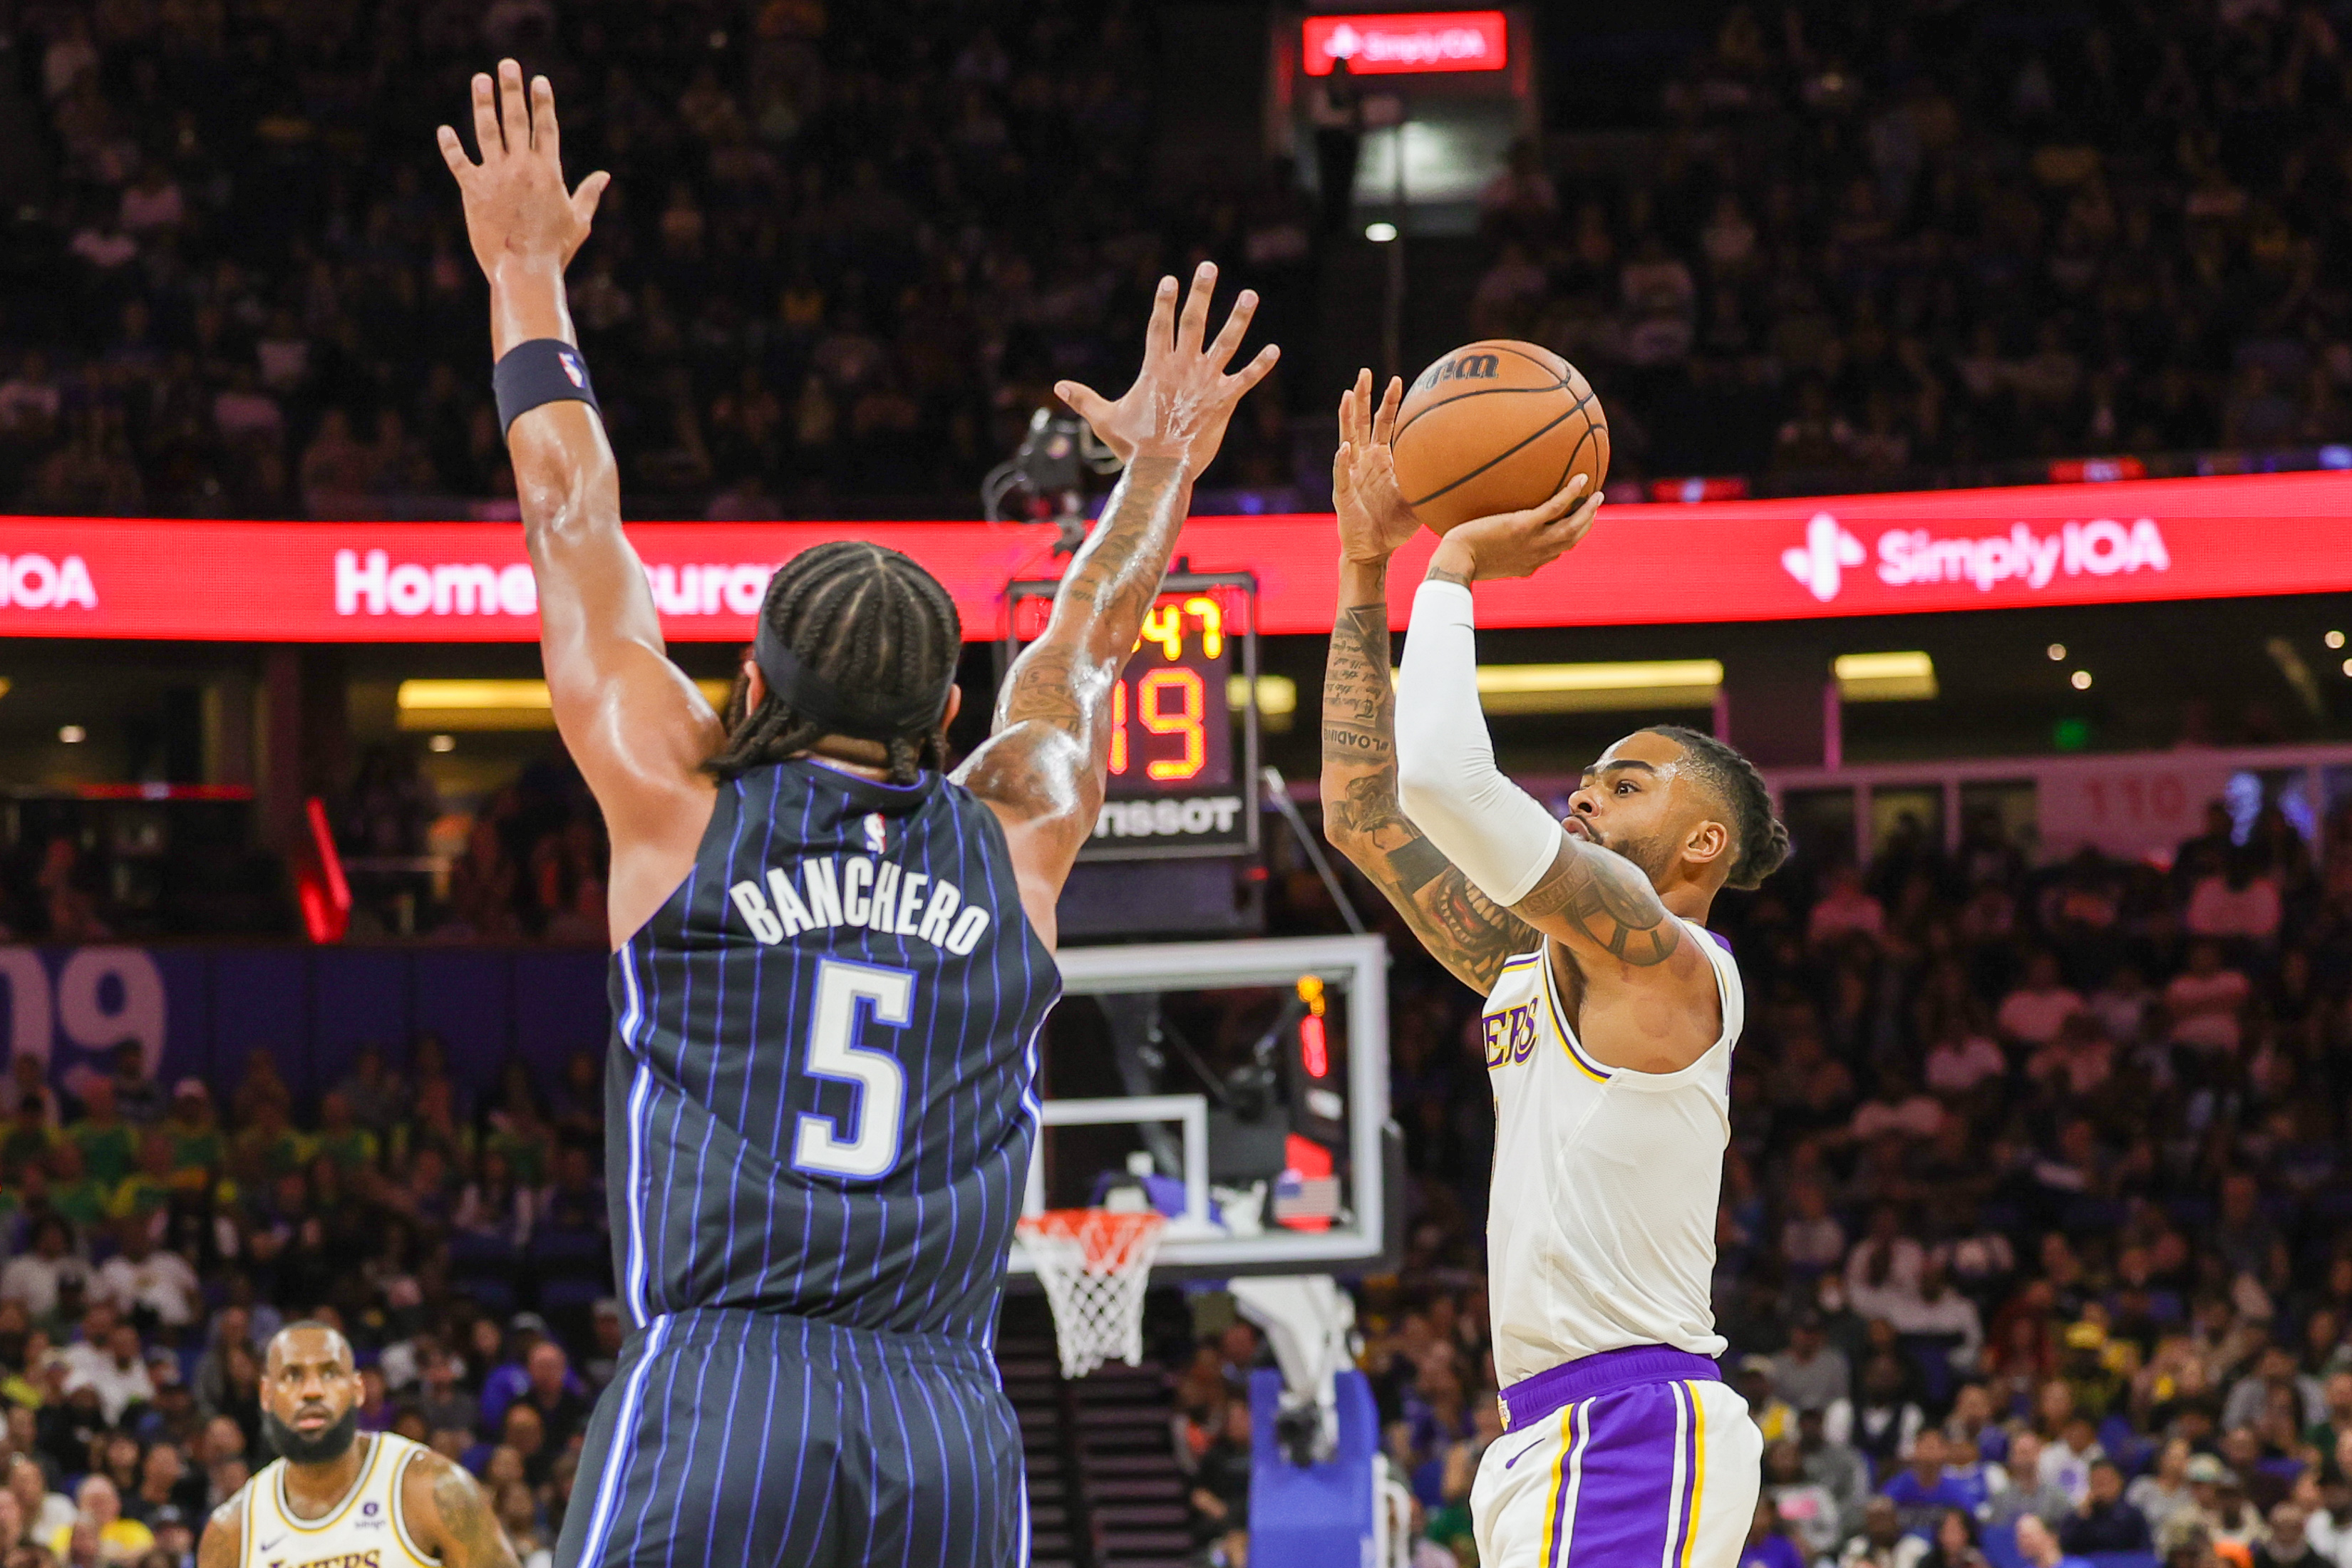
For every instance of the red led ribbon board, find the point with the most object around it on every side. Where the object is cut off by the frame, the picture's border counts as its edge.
(1653, 564)
(1406, 43)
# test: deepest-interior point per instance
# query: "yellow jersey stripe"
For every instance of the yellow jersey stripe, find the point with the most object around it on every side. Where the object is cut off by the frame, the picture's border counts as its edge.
(1699, 1470)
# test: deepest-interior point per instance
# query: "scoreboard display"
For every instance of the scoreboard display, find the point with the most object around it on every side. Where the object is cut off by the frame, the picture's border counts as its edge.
(1183, 740)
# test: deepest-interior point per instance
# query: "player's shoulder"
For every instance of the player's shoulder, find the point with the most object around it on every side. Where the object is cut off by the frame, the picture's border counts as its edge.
(427, 1479)
(223, 1537)
(420, 1459)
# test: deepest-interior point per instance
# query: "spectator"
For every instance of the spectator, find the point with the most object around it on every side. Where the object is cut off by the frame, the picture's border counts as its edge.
(1937, 1313)
(1835, 1463)
(1921, 1491)
(1961, 1060)
(555, 1394)
(1806, 1508)
(144, 1281)
(45, 1510)
(1880, 1542)
(1954, 1542)
(2238, 901)
(99, 1511)
(2204, 1001)
(1220, 1493)
(2030, 1492)
(2287, 1545)
(1811, 1374)
(2106, 1521)
(496, 1208)
(108, 1359)
(2071, 1446)
(1886, 1419)
(1772, 1416)
(37, 1279)
(1846, 907)
(2035, 1012)
(2038, 1547)
(1813, 1240)
(2163, 1494)
(1767, 1544)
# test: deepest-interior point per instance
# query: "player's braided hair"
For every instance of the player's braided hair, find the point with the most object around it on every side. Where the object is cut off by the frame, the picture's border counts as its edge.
(872, 622)
(1759, 840)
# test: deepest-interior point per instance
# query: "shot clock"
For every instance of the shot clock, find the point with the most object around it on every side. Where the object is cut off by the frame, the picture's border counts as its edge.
(1184, 741)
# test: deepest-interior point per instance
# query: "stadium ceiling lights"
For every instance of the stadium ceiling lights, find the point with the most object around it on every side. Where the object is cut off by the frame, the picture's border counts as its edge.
(1681, 683)
(1886, 676)
(438, 707)
(1598, 688)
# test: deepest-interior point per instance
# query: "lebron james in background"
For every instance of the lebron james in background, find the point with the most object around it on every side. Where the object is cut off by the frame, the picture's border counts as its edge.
(335, 1498)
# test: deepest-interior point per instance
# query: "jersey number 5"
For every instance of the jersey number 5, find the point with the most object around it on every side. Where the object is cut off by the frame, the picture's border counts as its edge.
(871, 1146)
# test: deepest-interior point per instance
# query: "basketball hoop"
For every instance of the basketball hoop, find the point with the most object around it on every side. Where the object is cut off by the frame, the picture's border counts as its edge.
(1095, 1264)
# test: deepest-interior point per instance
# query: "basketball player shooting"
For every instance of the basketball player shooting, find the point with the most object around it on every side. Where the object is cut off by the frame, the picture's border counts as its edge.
(832, 961)
(335, 1498)
(1609, 1026)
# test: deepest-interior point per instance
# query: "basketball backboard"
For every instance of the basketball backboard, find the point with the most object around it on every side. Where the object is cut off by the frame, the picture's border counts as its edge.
(1241, 1086)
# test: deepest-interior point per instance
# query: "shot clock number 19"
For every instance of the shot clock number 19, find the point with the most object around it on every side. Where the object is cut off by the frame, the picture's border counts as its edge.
(1183, 713)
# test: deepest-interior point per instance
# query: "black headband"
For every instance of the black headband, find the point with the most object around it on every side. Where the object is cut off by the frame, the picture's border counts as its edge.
(813, 696)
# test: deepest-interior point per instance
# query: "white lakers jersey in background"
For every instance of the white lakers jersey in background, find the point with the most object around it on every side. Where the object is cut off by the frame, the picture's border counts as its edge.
(363, 1530)
(1601, 1229)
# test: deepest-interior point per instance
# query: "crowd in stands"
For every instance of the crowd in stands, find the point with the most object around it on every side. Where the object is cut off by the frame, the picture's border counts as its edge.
(530, 866)
(156, 1237)
(2036, 1239)
(2036, 1236)
(847, 251)
(1878, 238)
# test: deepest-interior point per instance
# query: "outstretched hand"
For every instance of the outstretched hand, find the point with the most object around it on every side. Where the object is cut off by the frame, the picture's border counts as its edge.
(1374, 519)
(1182, 399)
(516, 209)
(1518, 543)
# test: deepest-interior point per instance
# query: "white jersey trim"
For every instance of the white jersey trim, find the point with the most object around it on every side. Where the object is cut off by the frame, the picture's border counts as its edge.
(334, 1515)
(400, 1514)
(1728, 1013)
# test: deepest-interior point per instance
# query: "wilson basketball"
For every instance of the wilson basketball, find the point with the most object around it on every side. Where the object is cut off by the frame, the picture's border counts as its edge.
(1496, 427)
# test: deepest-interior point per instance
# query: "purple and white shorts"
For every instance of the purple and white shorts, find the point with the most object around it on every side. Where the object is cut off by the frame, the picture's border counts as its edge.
(1631, 1458)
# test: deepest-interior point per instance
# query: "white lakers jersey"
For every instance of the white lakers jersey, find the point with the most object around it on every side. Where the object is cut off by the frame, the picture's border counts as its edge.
(1600, 1230)
(363, 1530)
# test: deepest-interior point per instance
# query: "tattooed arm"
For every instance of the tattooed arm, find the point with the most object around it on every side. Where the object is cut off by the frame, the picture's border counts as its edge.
(1639, 994)
(446, 1512)
(1459, 925)
(1044, 769)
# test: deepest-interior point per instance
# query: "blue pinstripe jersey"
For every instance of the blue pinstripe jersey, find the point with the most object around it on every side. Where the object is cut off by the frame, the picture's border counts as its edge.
(820, 1089)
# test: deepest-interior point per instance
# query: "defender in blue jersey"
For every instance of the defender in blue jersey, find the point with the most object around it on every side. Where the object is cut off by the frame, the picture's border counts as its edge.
(834, 956)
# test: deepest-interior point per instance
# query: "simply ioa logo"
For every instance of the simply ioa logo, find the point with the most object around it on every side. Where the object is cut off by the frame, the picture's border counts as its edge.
(2100, 548)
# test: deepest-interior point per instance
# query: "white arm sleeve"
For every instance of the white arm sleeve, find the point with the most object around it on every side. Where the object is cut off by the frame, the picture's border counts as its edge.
(1500, 836)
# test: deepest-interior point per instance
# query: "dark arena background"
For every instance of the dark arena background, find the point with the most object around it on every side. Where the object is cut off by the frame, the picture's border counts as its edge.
(1978, 380)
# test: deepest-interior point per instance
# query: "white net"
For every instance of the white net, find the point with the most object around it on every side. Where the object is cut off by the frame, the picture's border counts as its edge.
(1095, 1266)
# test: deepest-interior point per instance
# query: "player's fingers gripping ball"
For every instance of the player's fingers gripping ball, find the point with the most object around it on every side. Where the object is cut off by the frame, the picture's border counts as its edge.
(1496, 427)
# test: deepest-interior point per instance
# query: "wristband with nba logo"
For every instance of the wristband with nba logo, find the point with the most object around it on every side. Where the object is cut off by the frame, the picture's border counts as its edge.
(544, 369)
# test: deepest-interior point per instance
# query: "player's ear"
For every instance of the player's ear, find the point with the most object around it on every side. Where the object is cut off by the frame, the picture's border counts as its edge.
(1707, 842)
(955, 706)
(755, 686)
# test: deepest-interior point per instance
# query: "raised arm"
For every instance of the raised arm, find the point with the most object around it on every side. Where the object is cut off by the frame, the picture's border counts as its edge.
(1627, 950)
(1460, 927)
(1044, 769)
(637, 727)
